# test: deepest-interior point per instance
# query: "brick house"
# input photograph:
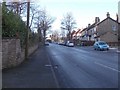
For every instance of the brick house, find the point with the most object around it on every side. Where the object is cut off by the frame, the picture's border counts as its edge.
(76, 36)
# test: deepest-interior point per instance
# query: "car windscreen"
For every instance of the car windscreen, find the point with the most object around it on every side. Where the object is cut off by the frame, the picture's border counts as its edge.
(102, 43)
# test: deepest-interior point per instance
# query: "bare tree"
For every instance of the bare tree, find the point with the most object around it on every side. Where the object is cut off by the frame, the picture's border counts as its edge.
(43, 22)
(34, 13)
(17, 7)
(68, 23)
(55, 36)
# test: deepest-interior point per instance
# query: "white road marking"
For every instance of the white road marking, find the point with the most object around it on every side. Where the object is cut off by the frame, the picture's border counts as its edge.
(106, 66)
(47, 65)
(118, 51)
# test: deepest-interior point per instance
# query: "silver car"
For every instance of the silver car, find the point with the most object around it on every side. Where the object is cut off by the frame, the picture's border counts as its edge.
(101, 45)
(70, 44)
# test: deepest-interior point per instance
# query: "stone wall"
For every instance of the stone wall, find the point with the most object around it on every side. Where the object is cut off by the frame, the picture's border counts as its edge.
(12, 54)
(108, 31)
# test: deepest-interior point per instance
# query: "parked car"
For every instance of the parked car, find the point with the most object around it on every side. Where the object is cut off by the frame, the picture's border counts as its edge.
(70, 44)
(65, 43)
(46, 43)
(101, 45)
(60, 43)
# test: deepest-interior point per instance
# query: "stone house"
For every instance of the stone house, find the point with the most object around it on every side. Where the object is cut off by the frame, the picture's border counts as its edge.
(107, 30)
(91, 30)
(83, 35)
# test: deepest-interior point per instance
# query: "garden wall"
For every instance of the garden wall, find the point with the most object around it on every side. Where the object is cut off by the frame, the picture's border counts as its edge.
(12, 54)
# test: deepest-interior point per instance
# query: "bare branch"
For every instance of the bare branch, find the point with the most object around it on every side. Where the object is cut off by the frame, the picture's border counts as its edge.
(68, 23)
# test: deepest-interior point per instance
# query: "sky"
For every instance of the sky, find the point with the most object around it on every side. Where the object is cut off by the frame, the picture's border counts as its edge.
(83, 11)
(119, 10)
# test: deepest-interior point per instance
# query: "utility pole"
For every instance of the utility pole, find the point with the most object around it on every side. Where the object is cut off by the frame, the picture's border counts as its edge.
(27, 32)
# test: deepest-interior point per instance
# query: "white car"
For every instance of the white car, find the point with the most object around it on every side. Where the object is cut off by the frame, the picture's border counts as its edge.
(70, 44)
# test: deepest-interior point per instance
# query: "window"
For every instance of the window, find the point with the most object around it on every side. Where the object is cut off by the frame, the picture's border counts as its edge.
(114, 28)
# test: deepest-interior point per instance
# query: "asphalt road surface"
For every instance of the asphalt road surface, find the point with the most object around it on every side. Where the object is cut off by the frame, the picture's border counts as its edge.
(83, 67)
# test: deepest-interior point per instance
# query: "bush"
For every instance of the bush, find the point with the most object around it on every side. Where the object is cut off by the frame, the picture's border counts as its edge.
(12, 25)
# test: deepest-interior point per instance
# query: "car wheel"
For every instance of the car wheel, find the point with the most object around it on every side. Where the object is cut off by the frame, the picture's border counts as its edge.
(99, 49)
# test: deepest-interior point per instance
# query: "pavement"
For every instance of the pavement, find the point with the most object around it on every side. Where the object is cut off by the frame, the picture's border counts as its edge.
(36, 72)
(116, 49)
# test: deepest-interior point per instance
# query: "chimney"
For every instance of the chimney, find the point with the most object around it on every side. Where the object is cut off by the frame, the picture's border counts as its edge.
(108, 15)
(97, 19)
(117, 18)
(89, 25)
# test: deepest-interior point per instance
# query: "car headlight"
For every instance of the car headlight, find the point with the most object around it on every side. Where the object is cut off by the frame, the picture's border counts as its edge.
(100, 46)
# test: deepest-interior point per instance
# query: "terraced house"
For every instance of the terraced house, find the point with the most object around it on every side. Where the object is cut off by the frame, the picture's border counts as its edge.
(105, 30)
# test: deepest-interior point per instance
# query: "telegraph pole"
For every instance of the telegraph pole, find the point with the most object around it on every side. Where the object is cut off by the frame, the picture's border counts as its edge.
(27, 32)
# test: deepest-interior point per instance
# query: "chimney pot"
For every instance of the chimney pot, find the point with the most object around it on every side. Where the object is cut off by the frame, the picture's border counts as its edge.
(97, 19)
(89, 25)
(108, 15)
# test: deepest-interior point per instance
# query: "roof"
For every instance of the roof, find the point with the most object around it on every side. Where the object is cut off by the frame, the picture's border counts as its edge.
(108, 18)
(94, 24)
(91, 26)
(73, 32)
(84, 29)
(78, 31)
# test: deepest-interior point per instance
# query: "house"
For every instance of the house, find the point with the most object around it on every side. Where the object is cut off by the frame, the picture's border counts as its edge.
(91, 30)
(83, 36)
(76, 36)
(73, 34)
(107, 30)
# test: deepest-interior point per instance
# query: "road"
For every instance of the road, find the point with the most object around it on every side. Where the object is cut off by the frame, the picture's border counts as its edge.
(83, 67)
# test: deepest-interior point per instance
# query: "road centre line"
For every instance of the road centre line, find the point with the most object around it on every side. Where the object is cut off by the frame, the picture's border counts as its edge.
(106, 66)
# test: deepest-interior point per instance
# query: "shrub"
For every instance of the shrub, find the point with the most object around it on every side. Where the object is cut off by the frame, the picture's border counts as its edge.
(12, 25)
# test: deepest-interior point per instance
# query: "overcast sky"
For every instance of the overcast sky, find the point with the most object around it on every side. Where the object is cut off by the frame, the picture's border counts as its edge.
(84, 11)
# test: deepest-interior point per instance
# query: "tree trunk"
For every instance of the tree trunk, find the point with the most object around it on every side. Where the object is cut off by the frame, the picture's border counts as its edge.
(44, 36)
